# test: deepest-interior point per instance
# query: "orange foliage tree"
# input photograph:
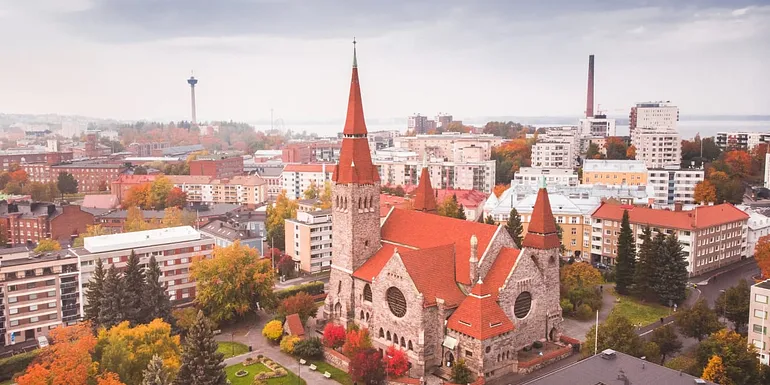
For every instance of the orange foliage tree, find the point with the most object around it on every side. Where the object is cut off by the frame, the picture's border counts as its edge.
(108, 378)
(356, 341)
(138, 196)
(500, 189)
(334, 335)
(739, 162)
(67, 361)
(762, 255)
(301, 303)
(705, 192)
(176, 198)
(631, 152)
(510, 157)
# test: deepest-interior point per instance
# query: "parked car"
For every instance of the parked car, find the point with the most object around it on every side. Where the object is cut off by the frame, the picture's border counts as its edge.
(42, 341)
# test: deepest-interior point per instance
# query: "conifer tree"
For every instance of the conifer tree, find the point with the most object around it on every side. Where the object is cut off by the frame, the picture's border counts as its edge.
(489, 220)
(135, 289)
(156, 303)
(201, 363)
(514, 227)
(624, 276)
(645, 268)
(94, 293)
(673, 272)
(111, 309)
(461, 213)
(156, 373)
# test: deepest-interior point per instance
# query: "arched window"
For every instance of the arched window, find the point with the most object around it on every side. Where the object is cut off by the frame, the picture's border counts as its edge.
(522, 305)
(403, 343)
(367, 317)
(396, 302)
(359, 203)
(362, 314)
(382, 333)
(498, 358)
(367, 293)
(339, 287)
(410, 345)
(388, 338)
(395, 338)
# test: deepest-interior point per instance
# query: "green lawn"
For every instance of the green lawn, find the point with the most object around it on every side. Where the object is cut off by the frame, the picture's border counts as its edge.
(289, 379)
(337, 374)
(638, 312)
(232, 349)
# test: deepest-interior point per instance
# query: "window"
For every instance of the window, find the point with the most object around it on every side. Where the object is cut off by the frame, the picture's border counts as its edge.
(759, 329)
(468, 353)
(15, 323)
(32, 307)
(523, 305)
(15, 311)
(34, 319)
(760, 298)
(396, 301)
(760, 314)
(33, 296)
(367, 293)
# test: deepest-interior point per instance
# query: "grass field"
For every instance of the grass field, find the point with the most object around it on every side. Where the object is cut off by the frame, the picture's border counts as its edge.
(638, 312)
(232, 349)
(289, 379)
(337, 374)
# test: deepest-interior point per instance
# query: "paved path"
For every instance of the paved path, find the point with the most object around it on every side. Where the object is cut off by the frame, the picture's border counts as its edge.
(578, 329)
(298, 281)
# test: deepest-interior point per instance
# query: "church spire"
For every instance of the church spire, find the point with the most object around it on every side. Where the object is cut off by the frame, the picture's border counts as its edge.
(541, 232)
(355, 60)
(424, 198)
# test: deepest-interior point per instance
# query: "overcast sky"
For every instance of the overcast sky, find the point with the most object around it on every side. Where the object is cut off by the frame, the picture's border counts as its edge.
(129, 59)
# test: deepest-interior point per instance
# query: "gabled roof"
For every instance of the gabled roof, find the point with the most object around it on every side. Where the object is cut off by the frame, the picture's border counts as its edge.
(541, 232)
(424, 199)
(432, 271)
(500, 269)
(422, 230)
(479, 315)
(101, 201)
(294, 325)
(376, 262)
(699, 218)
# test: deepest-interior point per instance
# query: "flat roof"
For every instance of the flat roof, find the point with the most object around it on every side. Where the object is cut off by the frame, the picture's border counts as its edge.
(607, 165)
(36, 258)
(764, 284)
(137, 239)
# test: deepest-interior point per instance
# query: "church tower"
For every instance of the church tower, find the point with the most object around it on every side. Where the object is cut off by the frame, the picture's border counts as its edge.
(424, 199)
(355, 205)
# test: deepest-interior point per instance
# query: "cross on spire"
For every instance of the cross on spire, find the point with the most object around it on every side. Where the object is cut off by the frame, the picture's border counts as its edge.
(355, 60)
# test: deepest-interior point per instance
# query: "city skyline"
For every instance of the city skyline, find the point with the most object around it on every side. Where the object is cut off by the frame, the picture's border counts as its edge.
(127, 60)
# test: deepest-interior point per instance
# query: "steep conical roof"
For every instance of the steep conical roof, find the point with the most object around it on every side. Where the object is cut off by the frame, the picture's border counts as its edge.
(424, 197)
(541, 232)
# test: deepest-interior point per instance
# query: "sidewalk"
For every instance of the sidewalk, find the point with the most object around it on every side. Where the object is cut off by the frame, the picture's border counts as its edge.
(323, 277)
(578, 329)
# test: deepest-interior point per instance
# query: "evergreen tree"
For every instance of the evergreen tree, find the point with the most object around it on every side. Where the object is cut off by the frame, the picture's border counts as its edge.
(156, 373)
(201, 363)
(624, 271)
(156, 303)
(645, 268)
(94, 294)
(514, 227)
(111, 309)
(135, 290)
(481, 218)
(489, 220)
(673, 272)
(461, 213)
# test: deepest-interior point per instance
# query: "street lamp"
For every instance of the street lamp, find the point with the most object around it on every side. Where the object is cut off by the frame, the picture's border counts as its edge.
(299, 375)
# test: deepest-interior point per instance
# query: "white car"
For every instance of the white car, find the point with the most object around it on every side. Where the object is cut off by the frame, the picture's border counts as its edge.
(42, 342)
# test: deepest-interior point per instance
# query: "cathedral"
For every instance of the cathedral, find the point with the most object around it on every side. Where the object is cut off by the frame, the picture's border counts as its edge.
(440, 288)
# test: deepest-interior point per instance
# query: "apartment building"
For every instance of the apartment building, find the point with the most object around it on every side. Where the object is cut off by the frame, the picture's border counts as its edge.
(296, 178)
(667, 186)
(26, 223)
(173, 248)
(225, 233)
(309, 240)
(443, 175)
(554, 153)
(597, 126)
(767, 170)
(273, 177)
(614, 172)
(450, 146)
(758, 226)
(553, 176)
(711, 236)
(91, 175)
(38, 292)
(242, 189)
(654, 115)
(217, 166)
(420, 124)
(741, 140)
(758, 322)
(114, 221)
(657, 148)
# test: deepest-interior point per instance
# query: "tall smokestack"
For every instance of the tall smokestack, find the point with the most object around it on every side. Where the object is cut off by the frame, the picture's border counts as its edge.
(590, 99)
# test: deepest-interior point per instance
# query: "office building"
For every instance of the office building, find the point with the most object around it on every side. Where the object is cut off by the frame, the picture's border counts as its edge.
(597, 126)
(443, 175)
(553, 176)
(173, 249)
(741, 140)
(217, 166)
(667, 186)
(758, 321)
(614, 172)
(309, 240)
(297, 178)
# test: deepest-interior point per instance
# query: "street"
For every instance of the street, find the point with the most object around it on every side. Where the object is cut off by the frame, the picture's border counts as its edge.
(711, 285)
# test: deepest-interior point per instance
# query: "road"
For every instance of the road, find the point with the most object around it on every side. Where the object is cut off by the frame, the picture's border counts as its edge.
(711, 285)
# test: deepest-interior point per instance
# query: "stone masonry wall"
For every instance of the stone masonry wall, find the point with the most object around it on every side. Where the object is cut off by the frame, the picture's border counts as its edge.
(501, 239)
(337, 359)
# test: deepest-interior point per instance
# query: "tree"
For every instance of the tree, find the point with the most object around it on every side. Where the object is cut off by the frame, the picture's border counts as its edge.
(309, 348)
(762, 256)
(580, 274)
(67, 361)
(461, 374)
(739, 163)
(667, 340)
(201, 363)
(185, 318)
(127, 350)
(156, 373)
(159, 191)
(734, 304)
(367, 367)
(140, 170)
(232, 282)
(94, 293)
(284, 208)
(134, 290)
(176, 197)
(396, 363)
(500, 189)
(356, 341)
(616, 333)
(156, 304)
(489, 220)
(698, 321)
(301, 303)
(312, 191)
(705, 192)
(631, 152)
(461, 212)
(288, 343)
(514, 227)
(112, 306)
(715, 372)
(273, 330)
(616, 148)
(91, 231)
(510, 156)
(326, 196)
(135, 220)
(673, 272)
(449, 207)
(738, 356)
(593, 151)
(108, 378)
(46, 245)
(66, 183)
(172, 217)
(13, 188)
(646, 267)
(624, 276)
(334, 336)
(138, 196)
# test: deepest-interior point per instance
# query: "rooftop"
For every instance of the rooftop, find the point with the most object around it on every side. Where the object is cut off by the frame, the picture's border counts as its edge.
(699, 218)
(228, 231)
(311, 167)
(605, 165)
(36, 258)
(764, 284)
(147, 238)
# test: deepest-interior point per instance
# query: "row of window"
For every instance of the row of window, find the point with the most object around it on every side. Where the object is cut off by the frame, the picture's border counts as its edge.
(31, 285)
(33, 296)
(34, 319)
(32, 308)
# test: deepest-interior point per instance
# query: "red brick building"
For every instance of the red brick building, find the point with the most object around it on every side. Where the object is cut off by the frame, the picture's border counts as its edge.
(29, 222)
(120, 185)
(217, 166)
(91, 175)
(49, 158)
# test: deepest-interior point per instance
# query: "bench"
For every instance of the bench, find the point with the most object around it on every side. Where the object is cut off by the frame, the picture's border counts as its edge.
(302, 362)
(313, 367)
(327, 375)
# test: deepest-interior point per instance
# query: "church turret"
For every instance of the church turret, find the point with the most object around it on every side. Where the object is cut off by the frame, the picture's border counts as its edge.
(541, 232)
(424, 198)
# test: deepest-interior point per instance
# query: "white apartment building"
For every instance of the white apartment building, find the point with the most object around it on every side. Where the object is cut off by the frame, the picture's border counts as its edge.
(758, 226)
(554, 154)
(740, 140)
(758, 322)
(662, 116)
(451, 146)
(667, 186)
(297, 178)
(657, 148)
(598, 126)
(553, 176)
(240, 189)
(443, 175)
(173, 248)
(309, 240)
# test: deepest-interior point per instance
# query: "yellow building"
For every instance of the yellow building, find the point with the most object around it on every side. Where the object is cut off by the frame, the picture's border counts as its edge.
(614, 172)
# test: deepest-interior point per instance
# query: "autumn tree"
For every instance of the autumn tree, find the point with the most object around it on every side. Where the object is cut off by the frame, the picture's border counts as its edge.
(461, 373)
(312, 191)
(127, 350)
(176, 197)
(156, 303)
(593, 152)
(334, 335)
(739, 162)
(134, 286)
(91, 231)
(667, 340)
(46, 245)
(135, 220)
(500, 188)
(201, 363)
(112, 306)
(184, 318)
(94, 293)
(705, 192)
(697, 321)
(138, 196)
(762, 256)
(580, 274)
(326, 196)
(156, 373)
(734, 304)
(67, 361)
(273, 330)
(396, 363)
(172, 217)
(626, 259)
(631, 152)
(616, 333)
(616, 147)
(283, 209)
(514, 227)
(509, 157)
(508, 130)
(108, 378)
(367, 367)
(715, 372)
(232, 282)
(356, 341)
(450, 208)
(301, 303)
(739, 357)
(66, 183)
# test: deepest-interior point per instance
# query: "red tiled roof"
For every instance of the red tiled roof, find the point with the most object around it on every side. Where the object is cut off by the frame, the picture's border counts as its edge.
(423, 230)
(375, 263)
(101, 201)
(311, 167)
(479, 315)
(389, 201)
(190, 179)
(700, 217)
(423, 196)
(432, 271)
(541, 232)
(500, 269)
(467, 198)
(294, 325)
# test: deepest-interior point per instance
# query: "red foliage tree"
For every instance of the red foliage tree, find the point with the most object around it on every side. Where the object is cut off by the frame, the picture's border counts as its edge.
(176, 198)
(396, 364)
(334, 335)
(285, 264)
(739, 163)
(356, 341)
(367, 367)
(67, 361)
(301, 303)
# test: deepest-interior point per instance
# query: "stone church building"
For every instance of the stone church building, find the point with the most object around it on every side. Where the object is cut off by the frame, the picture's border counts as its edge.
(440, 288)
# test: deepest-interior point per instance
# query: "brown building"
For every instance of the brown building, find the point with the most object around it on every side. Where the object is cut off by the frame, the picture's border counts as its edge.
(7, 158)
(114, 221)
(29, 222)
(92, 175)
(297, 153)
(124, 182)
(217, 166)
(38, 292)
(147, 149)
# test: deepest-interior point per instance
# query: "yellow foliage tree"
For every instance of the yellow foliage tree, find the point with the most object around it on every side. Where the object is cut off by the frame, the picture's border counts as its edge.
(273, 330)
(715, 372)
(287, 344)
(580, 274)
(47, 245)
(159, 192)
(705, 192)
(91, 231)
(284, 208)
(312, 191)
(135, 220)
(326, 196)
(172, 217)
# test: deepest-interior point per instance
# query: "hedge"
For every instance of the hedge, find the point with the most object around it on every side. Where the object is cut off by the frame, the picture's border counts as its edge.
(312, 288)
(15, 364)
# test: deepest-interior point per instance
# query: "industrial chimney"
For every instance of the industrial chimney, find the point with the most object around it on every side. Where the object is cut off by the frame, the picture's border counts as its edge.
(590, 99)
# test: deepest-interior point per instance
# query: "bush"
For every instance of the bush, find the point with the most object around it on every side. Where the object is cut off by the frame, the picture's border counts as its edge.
(461, 374)
(309, 348)
(287, 344)
(537, 345)
(273, 331)
(334, 336)
(685, 364)
(566, 306)
(15, 364)
(609, 275)
(312, 288)
(584, 312)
